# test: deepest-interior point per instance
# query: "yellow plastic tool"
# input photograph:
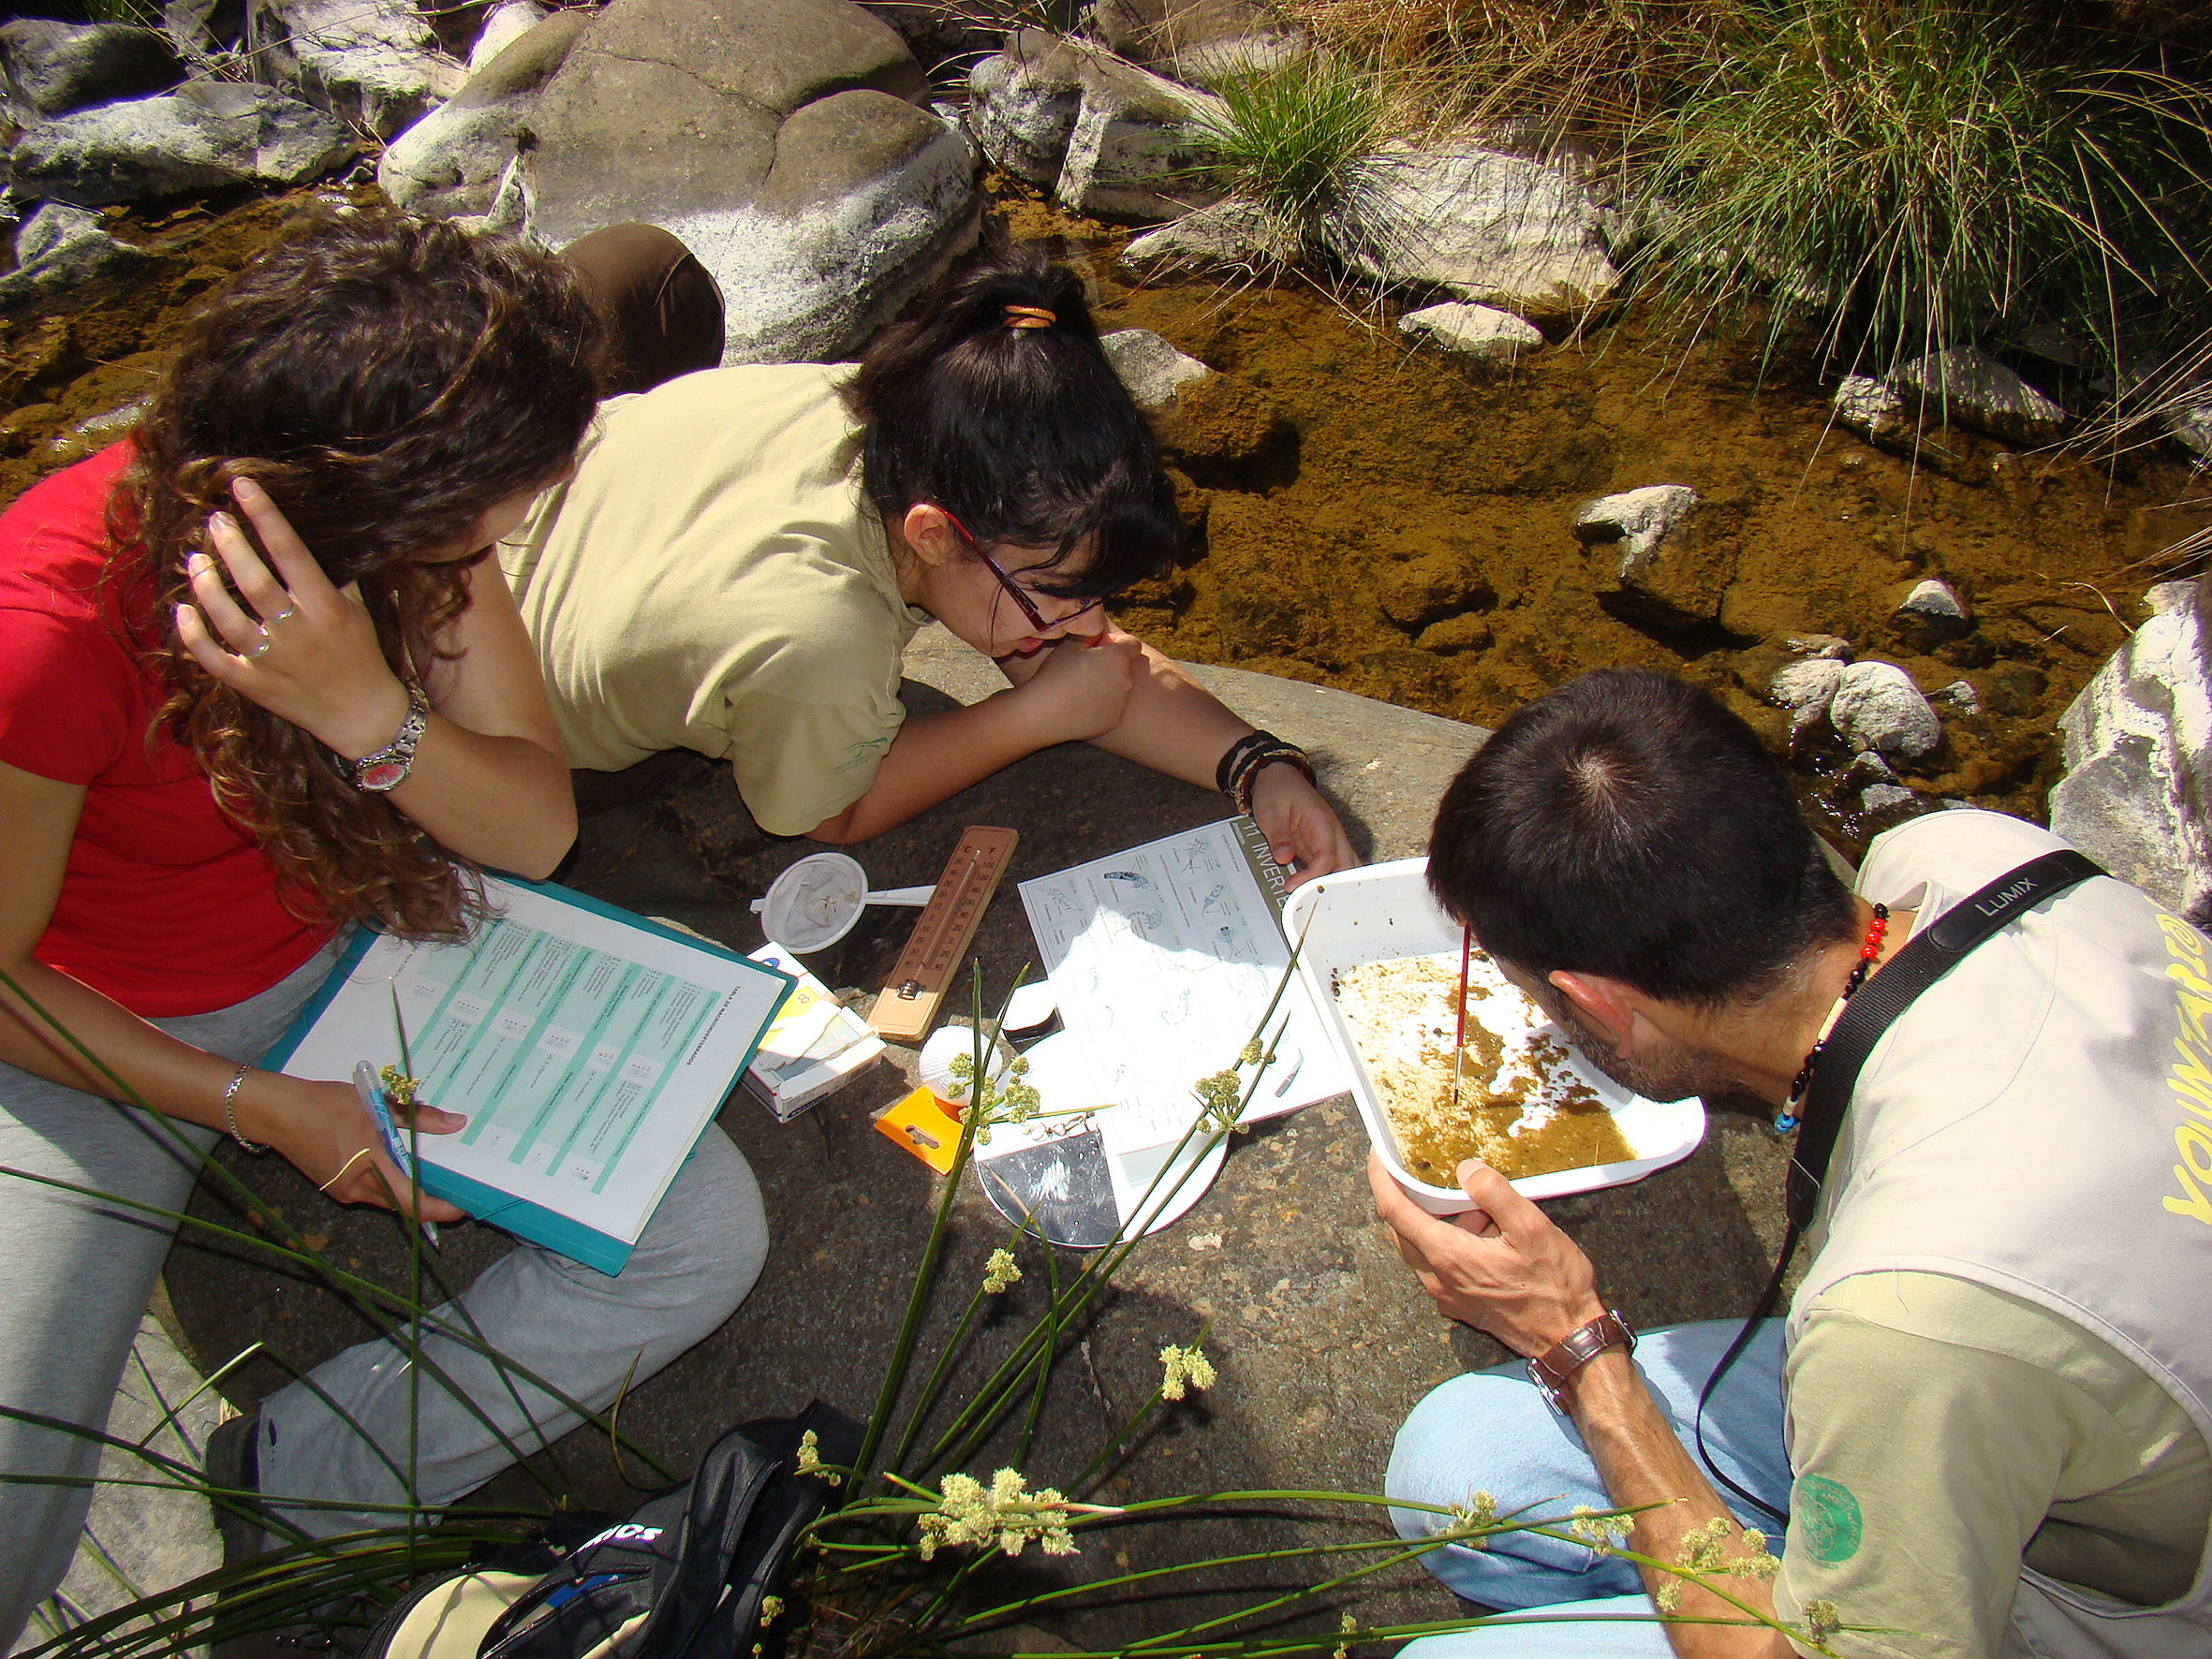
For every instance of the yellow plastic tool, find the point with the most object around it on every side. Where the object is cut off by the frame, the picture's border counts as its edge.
(918, 1124)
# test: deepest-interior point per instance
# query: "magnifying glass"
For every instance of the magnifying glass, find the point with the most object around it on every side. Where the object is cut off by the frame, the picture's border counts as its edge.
(816, 902)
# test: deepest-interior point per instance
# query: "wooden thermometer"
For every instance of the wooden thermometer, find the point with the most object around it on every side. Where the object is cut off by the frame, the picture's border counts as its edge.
(909, 1004)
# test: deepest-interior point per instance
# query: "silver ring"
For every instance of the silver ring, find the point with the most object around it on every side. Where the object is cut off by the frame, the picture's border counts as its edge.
(261, 650)
(268, 622)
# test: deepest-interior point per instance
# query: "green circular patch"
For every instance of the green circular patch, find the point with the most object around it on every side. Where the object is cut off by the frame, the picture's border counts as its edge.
(1825, 1520)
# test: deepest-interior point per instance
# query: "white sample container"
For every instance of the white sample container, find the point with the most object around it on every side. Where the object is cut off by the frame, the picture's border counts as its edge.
(1383, 912)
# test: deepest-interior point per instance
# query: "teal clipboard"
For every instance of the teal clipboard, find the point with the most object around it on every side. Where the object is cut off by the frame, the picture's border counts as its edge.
(510, 1213)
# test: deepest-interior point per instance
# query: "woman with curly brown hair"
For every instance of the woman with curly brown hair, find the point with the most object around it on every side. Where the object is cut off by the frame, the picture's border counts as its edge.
(260, 684)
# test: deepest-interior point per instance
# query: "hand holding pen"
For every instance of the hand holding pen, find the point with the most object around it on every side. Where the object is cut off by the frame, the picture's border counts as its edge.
(380, 1093)
(391, 1160)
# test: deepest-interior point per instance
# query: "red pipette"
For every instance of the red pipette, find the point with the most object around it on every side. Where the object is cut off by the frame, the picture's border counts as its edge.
(1467, 947)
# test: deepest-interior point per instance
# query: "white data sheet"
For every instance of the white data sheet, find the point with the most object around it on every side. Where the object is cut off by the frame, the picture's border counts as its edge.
(1164, 958)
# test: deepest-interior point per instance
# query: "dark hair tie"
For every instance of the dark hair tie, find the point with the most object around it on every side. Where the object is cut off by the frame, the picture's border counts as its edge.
(1029, 317)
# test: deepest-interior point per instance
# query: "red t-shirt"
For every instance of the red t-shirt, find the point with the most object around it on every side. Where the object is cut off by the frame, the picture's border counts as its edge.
(167, 906)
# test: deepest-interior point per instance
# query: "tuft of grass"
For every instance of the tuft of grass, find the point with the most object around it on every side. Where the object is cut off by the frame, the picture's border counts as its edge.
(1586, 68)
(1895, 174)
(1293, 139)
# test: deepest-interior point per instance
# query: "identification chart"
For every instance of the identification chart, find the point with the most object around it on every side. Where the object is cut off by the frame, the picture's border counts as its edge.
(1163, 958)
(588, 1050)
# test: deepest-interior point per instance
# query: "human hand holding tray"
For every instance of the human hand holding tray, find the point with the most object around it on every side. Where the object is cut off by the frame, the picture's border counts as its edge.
(588, 1047)
(1163, 958)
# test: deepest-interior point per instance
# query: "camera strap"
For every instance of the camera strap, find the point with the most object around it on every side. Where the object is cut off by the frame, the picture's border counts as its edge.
(1932, 952)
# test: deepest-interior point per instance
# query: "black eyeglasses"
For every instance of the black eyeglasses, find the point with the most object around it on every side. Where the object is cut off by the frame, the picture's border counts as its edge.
(1014, 589)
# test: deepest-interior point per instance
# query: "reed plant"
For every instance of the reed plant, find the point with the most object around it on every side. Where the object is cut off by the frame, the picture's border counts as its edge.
(899, 1564)
(1293, 139)
(1895, 175)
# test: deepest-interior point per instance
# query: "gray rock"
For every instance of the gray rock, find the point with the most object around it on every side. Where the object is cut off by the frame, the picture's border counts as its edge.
(1211, 62)
(665, 108)
(2190, 426)
(450, 163)
(59, 245)
(204, 26)
(204, 136)
(1489, 228)
(1203, 42)
(1151, 367)
(1868, 407)
(2137, 745)
(870, 201)
(1805, 689)
(1877, 706)
(1231, 234)
(937, 33)
(56, 68)
(93, 434)
(1024, 103)
(1979, 392)
(1112, 139)
(504, 25)
(509, 211)
(1473, 330)
(1877, 798)
(2164, 597)
(1638, 519)
(1157, 32)
(1867, 765)
(1931, 614)
(778, 140)
(1959, 697)
(1140, 148)
(374, 63)
(1667, 575)
(1834, 647)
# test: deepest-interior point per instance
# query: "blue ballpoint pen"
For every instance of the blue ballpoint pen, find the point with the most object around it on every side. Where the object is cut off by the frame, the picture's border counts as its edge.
(371, 1089)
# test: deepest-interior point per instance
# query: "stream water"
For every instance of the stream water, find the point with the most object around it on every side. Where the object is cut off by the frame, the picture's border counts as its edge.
(1397, 521)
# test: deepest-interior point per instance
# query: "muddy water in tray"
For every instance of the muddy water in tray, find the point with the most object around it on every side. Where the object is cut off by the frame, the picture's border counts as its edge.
(1522, 1108)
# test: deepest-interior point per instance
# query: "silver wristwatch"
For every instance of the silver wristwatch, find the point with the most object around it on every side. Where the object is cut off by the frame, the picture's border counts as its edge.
(388, 767)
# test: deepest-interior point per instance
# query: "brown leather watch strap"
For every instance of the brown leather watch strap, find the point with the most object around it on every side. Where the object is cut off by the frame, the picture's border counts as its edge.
(1551, 1370)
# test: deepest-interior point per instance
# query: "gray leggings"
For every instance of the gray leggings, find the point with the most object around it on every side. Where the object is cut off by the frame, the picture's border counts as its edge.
(75, 1276)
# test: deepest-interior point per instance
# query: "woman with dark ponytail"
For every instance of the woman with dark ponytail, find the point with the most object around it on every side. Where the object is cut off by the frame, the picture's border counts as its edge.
(744, 553)
(258, 686)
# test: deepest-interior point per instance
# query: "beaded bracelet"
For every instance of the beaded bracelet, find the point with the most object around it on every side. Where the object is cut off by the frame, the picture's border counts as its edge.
(1231, 758)
(1257, 760)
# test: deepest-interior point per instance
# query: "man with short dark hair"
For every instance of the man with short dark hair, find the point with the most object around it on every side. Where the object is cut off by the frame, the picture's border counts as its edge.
(1986, 1415)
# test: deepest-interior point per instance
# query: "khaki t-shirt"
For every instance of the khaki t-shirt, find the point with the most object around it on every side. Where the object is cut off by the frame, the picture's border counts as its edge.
(713, 579)
(1932, 1421)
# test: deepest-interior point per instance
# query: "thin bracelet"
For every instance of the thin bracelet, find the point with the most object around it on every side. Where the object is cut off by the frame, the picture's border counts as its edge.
(230, 1111)
(343, 1168)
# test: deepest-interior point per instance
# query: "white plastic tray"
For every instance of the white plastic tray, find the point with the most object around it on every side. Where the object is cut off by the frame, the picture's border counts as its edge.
(1383, 912)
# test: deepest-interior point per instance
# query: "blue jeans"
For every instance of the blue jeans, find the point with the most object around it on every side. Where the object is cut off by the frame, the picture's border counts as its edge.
(1490, 1431)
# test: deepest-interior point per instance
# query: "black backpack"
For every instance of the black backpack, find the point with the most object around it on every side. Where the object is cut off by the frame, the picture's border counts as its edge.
(683, 1578)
